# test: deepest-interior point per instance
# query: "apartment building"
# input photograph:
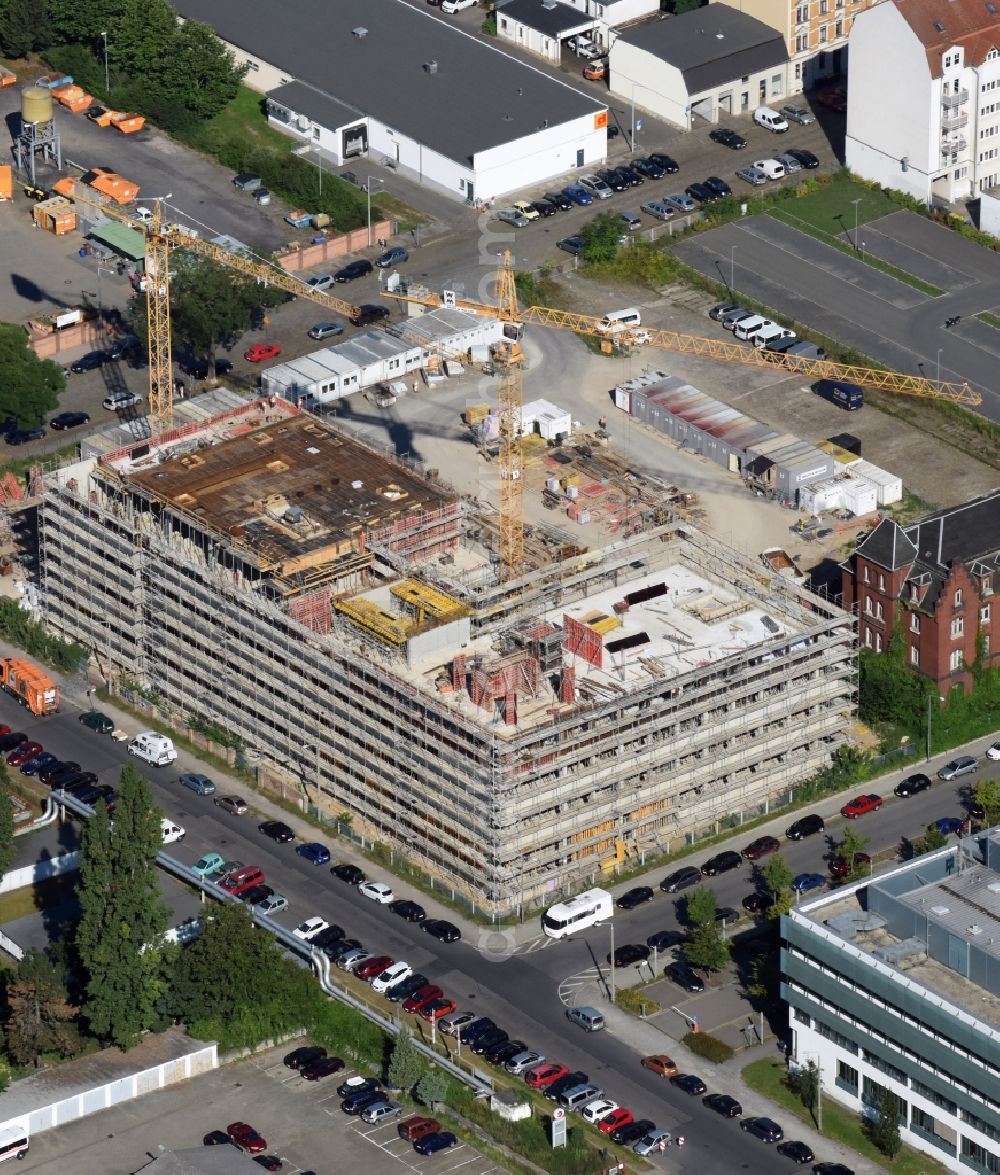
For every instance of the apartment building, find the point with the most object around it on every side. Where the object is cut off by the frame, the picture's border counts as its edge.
(925, 118)
(893, 986)
(939, 575)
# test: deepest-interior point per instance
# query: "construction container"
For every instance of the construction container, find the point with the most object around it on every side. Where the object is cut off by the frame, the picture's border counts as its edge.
(32, 688)
(6, 181)
(74, 98)
(475, 413)
(128, 124)
(36, 105)
(552, 485)
(889, 486)
(7, 77)
(49, 81)
(55, 215)
(321, 220)
(106, 117)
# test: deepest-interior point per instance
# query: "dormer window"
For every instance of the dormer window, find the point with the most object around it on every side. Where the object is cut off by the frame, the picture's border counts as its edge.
(914, 594)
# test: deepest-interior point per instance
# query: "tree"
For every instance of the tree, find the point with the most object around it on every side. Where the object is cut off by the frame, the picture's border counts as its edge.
(707, 947)
(987, 795)
(601, 238)
(701, 906)
(764, 982)
(432, 1087)
(778, 878)
(40, 1018)
(883, 1128)
(7, 849)
(932, 839)
(23, 27)
(206, 76)
(809, 1088)
(119, 937)
(406, 1066)
(29, 386)
(851, 846)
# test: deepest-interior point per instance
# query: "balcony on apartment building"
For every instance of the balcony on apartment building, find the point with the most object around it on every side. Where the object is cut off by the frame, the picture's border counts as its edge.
(952, 149)
(953, 120)
(950, 101)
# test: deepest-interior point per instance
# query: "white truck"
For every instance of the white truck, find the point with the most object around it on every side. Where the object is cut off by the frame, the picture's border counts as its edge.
(155, 749)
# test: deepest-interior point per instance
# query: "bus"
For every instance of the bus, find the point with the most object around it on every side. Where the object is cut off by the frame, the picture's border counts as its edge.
(13, 1143)
(588, 909)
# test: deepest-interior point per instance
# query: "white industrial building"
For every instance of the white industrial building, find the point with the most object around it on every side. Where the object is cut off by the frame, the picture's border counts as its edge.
(925, 118)
(893, 987)
(395, 82)
(544, 26)
(701, 64)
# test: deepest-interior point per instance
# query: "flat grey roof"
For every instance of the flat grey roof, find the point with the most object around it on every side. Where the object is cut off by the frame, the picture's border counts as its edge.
(315, 104)
(710, 46)
(479, 97)
(551, 17)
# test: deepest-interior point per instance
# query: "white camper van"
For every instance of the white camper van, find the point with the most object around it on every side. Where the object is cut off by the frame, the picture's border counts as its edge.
(155, 749)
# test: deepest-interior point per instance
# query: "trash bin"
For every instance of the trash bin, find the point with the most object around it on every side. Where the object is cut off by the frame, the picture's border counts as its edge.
(83, 250)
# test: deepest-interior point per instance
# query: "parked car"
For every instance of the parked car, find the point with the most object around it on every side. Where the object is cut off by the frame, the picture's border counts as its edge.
(320, 281)
(39, 763)
(24, 436)
(543, 208)
(67, 420)
(315, 852)
(277, 830)
(806, 158)
(307, 1054)
(486, 1040)
(734, 316)
(702, 193)
(235, 805)
(803, 882)
(681, 879)
(432, 1144)
(648, 167)
(681, 974)
(763, 1128)
(659, 1063)
(664, 939)
(840, 866)
(525, 209)
(721, 863)
(543, 1075)
(570, 245)
(652, 1142)
(245, 1138)
(208, 863)
(395, 255)
(718, 186)
(272, 905)
(407, 910)
(310, 928)
(522, 1061)
(689, 1084)
(682, 202)
(368, 314)
(443, 931)
(595, 186)
(726, 916)
(614, 179)
(728, 138)
(761, 847)
(512, 216)
(322, 1067)
(632, 221)
(632, 1132)
(658, 209)
(789, 163)
(752, 175)
(423, 995)
(118, 401)
(97, 721)
(261, 352)
(805, 826)
(635, 897)
(577, 195)
(23, 753)
(377, 891)
(628, 954)
(201, 785)
(410, 1129)
(199, 368)
(949, 825)
(668, 163)
(912, 785)
(798, 114)
(861, 806)
(349, 873)
(798, 1152)
(963, 765)
(723, 1104)
(89, 362)
(325, 330)
(757, 903)
(353, 270)
(558, 200)
(596, 1110)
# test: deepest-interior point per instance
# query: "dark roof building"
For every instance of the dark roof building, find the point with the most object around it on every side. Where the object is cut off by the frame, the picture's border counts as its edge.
(710, 60)
(938, 576)
(457, 111)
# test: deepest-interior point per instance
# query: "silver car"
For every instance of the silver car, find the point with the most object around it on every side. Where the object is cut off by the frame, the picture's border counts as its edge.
(963, 765)
(325, 330)
(658, 209)
(752, 175)
(797, 114)
(512, 216)
(789, 163)
(521, 1062)
(681, 201)
(652, 1141)
(595, 186)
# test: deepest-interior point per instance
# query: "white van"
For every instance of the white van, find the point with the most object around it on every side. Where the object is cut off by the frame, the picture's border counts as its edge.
(771, 334)
(772, 168)
(747, 328)
(770, 119)
(155, 749)
(171, 832)
(619, 320)
(13, 1143)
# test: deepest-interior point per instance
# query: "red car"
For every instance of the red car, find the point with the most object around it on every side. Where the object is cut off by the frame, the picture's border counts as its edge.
(761, 847)
(839, 866)
(545, 1074)
(372, 967)
(261, 351)
(245, 1138)
(422, 996)
(619, 1117)
(23, 753)
(861, 805)
(4, 729)
(437, 1009)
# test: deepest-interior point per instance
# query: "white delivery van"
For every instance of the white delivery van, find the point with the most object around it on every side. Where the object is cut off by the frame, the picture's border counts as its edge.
(772, 168)
(771, 334)
(155, 749)
(171, 832)
(773, 121)
(747, 328)
(620, 320)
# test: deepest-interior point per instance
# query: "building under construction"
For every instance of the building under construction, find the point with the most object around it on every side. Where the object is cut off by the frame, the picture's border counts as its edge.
(344, 614)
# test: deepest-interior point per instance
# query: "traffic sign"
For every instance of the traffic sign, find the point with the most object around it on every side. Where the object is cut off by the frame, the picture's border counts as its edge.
(558, 1128)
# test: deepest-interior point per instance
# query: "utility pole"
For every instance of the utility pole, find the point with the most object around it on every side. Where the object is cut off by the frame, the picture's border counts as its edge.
(612, 967)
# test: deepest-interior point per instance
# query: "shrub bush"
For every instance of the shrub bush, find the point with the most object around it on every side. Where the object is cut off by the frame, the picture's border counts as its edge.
(709, 1047)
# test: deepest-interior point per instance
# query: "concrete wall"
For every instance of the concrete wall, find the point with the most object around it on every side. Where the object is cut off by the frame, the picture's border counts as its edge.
(520, 34)
(305, 256)
(66, 862)
(549, 152)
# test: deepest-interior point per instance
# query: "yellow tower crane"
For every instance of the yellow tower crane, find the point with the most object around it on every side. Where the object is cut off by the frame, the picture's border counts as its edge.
(161, 239)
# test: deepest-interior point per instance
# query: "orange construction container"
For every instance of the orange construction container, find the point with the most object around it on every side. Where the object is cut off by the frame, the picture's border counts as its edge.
(55, 215)
(106, 117)
(110, 183)
(128, 123)
(32, 688)
(7, 77)
(73, 97)
(6, 181)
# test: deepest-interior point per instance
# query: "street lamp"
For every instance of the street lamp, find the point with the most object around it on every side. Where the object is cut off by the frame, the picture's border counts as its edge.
(732, 269)
(856, 203)
(368, 192)
(107, 82)
(319, 168)
(940, 349)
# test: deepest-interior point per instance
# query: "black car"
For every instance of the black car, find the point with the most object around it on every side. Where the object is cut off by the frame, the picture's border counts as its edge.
(277, 830)
(9, 425)
(67, 420)
(556, 1088)
(832, 1169)
(51, 775)
(805, 826)
(806, 158)
(123, 347)
(757, 903)
(718, 186)
(90, 793)
(912, 784)
(631, 176)
(614, 179)
(89, 362)
(726, 916)
(353, 270)
(410, 911)
(635, 897)
(14, 739)
(308, 1054)
(23, 436)
(501, 1053)
(765, 1129)
(723, 1104)
(256, 893)
(690, 1084)
(797, 1151)
(342, 948)
(727, 138)
(543, 208)
(558, 200)
(631, 953)
(368, 315)
(722, 863)
(405, 987)
(198, 368)
(349, 873)
(354, 1103)
(632, 1131)
(700, 192)
(570, 244)
(682, 879)
(324, 1067)
(664, 939)
(648, 167)
(213, 1137)
(353, 1086)
(441, 930)
(489, 1039)
(668, 164)
(684, 977)
(328, 938)
(471, 1031)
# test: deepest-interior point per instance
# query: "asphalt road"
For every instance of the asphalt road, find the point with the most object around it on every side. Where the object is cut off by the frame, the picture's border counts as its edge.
(500, 975)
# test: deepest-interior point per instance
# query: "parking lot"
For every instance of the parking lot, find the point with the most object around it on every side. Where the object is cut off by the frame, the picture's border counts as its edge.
(301, 1121)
